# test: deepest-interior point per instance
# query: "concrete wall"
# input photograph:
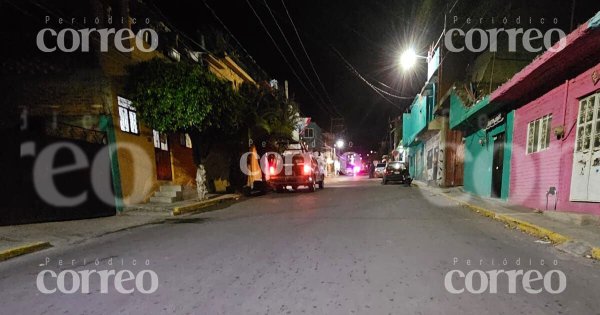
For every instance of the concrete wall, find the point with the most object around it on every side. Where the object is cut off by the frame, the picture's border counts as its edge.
(479, 159)
(417, 161)
(433, 173)
(534, 173)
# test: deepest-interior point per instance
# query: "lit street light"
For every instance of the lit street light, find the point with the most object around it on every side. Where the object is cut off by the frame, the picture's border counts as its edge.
(340, 144)
(408, 59)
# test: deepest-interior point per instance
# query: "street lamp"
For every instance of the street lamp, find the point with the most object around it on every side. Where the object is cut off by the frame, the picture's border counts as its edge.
(340, 144)
(408, 59)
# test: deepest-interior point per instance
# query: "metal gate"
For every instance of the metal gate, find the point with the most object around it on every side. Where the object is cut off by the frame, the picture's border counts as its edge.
(35, 192)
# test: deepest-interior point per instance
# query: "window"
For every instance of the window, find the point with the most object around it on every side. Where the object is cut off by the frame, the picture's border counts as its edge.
(538, 134)
(127, 116)
(160, 140)
(185, 140)
(588, 135)
(309, 133)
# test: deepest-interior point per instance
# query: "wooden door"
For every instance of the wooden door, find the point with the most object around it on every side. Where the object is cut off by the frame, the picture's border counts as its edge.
(162, 156)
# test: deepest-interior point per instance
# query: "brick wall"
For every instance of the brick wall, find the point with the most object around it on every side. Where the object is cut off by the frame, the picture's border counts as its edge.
(532, 174)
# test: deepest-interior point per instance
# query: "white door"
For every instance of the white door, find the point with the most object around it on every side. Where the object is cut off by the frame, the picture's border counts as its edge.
(594, 181)
(585, 179)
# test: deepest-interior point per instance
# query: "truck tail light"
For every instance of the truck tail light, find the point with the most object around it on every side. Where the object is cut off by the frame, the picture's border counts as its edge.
(306, 169)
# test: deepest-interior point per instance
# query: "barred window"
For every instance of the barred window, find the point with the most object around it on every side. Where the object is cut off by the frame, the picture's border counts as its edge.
(127, 116)
(538, 134)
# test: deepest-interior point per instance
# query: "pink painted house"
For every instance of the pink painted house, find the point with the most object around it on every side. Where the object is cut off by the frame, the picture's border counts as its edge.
(555, 162)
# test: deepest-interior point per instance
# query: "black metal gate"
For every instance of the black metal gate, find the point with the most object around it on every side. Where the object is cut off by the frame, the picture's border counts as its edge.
(30, 184)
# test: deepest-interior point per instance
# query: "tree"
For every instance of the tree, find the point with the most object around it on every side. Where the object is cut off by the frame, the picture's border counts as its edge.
(179, 96)
(170, 96)
(269, 115)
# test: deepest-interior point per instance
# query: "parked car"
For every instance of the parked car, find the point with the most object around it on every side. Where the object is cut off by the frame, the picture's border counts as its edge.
(303, 170)
(396, 172)
(379, 170)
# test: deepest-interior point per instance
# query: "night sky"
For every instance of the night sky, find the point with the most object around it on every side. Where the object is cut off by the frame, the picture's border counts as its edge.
(368, 34)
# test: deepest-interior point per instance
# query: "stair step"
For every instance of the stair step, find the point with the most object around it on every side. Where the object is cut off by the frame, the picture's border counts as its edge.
(171, 188)
(176, 194)
(162, 199)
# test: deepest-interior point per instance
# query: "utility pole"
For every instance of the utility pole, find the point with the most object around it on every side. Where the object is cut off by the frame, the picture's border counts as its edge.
(338, 127)
(391, 141)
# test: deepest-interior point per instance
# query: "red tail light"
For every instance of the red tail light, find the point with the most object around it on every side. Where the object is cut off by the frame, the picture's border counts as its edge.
(307, 169)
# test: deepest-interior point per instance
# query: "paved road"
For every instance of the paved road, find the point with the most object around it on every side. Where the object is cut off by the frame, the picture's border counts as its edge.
(356, 247)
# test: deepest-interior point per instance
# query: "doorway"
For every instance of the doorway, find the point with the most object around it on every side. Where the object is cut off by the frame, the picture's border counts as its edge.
(162, 156)
(585, 183)
(498, 165)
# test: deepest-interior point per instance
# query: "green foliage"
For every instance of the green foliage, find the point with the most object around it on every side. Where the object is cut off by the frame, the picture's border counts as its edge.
(228, 109)
(173, 96)
(178, 96)
(269, 115)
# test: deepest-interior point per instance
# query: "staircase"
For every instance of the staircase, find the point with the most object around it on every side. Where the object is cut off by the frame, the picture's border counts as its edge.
(168, 194)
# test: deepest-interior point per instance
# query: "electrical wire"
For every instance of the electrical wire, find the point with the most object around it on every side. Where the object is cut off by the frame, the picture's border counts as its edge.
(283, 55)
(308, 57)
(292, 51)
(379, 91)
(232, 36)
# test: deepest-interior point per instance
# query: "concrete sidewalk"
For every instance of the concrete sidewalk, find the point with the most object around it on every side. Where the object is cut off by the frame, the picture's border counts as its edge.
(16, 240)
(573, 233)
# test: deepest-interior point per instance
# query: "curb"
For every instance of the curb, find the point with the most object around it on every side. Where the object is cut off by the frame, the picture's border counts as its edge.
(201, 205)
(527, 227)
(23, 249)
(596, 253)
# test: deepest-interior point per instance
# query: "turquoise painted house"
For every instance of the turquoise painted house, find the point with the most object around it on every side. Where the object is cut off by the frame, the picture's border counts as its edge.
(414, 124)
(488, 132)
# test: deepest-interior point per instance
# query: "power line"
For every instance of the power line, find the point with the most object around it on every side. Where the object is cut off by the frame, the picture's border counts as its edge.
(385, 85)
(293, 53)
(308, 57)
(281, 53)
(232, 36)
(379, 91)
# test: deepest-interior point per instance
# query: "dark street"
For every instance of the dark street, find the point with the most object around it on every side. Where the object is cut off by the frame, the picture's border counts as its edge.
(356, 247)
